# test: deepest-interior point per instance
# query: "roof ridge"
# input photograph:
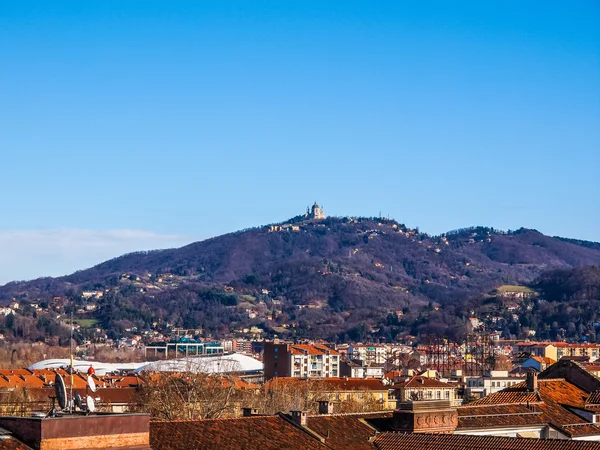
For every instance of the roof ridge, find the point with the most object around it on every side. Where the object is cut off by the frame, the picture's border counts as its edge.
(214, 419)
(366, 413)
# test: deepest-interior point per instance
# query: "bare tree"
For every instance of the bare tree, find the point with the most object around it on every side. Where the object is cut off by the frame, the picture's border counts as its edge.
(187, 396)
(288, 395)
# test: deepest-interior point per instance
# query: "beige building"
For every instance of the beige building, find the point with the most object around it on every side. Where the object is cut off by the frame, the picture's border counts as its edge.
(316, 212)
(368, 353)
(423, 388)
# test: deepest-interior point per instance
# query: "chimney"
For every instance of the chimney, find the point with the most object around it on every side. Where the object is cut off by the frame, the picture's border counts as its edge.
(248, 412)
(532, 381)
(428, 416)
(300, 418)
(325, 407)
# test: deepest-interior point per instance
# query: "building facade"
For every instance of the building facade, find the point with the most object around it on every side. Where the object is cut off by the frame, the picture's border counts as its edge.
(300, 361)
(368, 353)
(316, 212)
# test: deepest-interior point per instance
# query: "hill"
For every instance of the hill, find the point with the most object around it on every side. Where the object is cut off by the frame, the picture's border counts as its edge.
(303, 278)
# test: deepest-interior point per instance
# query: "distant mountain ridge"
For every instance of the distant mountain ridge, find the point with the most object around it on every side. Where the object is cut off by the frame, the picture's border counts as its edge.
(351, 242)
(349, 269)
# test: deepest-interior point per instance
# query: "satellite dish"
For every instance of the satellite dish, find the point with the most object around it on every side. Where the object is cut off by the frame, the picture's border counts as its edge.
(61, 391)
(77, 400)
(91, 383)
(90, 404)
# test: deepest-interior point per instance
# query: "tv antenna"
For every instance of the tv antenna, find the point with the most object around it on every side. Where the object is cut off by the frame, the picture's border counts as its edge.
(64, 406)
(60, 396)
(91, 384)
(91, 406)
(77, 401)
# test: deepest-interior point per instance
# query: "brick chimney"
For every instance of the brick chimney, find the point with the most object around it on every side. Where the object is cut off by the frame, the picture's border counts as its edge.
(325, 407)
(248, 412)
(425, 416)
(299, 417)
(532, 381)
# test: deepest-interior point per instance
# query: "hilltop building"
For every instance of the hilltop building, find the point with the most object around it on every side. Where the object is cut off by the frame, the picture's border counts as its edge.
(315, 213)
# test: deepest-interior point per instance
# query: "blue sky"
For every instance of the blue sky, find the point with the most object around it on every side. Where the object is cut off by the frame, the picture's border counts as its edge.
(148, 124)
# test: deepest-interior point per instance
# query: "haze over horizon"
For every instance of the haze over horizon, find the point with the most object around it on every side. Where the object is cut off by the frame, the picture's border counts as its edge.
(132, 126)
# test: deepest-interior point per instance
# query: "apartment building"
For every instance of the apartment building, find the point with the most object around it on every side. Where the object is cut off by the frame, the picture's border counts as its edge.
(300, 361)
(556, 350)
(368, 353)
(492, 382)
(422, 388)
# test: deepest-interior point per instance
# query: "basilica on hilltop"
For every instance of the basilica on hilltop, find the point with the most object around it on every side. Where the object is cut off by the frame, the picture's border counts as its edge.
(315, 213)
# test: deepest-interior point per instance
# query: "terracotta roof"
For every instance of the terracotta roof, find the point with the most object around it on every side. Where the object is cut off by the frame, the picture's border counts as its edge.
(347, 431)
(514, 394)
(550, 400)
(423, 382)
(567, 345)
(498, 416)
(417, 441)
(16, 372)
(13, 381)
(561, 391)
(8, 442)
(332, 384)
(543, 359)
(246, 433)
(393, 374)
(12, 444)
(315, 349)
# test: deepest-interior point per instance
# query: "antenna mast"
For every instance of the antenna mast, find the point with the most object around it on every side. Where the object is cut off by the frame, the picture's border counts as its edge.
(307, 375)
(71, 371)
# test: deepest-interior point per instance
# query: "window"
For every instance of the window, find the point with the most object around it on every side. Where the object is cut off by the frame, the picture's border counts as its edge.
(439, 395)
(447, 395)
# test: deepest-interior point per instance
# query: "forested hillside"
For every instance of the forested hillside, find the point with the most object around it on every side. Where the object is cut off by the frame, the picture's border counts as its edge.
(327, 278)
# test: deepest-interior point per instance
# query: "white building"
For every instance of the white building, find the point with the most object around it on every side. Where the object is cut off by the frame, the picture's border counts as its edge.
(368, 353)
(494, 381)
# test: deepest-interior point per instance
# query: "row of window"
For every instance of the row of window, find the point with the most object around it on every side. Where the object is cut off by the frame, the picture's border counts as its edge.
(504, 383)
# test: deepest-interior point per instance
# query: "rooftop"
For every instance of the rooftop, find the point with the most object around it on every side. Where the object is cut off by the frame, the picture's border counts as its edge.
(399, 441)
(260, 432)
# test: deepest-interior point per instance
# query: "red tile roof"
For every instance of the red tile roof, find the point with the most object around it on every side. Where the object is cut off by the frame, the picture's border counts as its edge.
(550, 400)
(423, 382)
(315, 349)
(9, 442)
(247, 433)
(331, 384)
(543, 359)
(498, 416)
(12, 444)
(347, 431)
(398, 441)
(515, 394)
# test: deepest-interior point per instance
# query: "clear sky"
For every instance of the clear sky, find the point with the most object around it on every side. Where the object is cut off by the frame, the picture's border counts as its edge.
(129, 125)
